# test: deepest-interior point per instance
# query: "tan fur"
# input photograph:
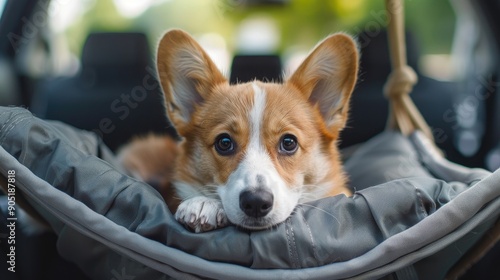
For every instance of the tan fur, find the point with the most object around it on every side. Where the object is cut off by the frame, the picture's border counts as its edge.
(152, 158)
(202, 105)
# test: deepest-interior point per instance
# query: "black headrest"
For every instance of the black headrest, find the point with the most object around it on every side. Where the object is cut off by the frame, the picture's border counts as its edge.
(375, 61)
(246, 68)
(104, 50)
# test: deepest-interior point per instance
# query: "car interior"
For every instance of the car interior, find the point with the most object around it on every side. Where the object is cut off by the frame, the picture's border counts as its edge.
(98, 74)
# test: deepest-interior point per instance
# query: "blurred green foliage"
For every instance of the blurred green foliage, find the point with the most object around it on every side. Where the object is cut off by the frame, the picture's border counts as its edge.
(301, 22)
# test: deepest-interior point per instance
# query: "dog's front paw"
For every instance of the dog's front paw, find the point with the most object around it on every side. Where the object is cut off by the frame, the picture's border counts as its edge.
(201, 214)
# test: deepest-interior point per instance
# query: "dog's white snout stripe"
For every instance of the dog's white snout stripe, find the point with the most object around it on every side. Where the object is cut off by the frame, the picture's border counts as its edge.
(260, 180)
(256, 116)
(257, 161)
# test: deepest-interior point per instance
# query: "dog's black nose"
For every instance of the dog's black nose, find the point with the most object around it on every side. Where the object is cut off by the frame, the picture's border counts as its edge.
(256, 203)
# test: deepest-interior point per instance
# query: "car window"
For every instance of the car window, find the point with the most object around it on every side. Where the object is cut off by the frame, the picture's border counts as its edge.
(2, 6)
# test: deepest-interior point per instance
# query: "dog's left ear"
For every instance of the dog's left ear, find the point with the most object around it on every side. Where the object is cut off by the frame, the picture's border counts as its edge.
(327, 78)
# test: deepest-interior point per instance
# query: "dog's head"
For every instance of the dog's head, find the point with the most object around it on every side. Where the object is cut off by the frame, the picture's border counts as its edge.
(262, 148)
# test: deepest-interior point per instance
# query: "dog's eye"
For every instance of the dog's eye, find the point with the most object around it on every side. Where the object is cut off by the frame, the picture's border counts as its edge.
(288, 144)
(224, 145)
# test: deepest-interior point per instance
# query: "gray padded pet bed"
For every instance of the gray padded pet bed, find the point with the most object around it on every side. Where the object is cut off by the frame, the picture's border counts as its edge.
(413, 213)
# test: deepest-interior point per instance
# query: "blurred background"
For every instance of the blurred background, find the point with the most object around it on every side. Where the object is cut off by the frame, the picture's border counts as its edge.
(225, 27)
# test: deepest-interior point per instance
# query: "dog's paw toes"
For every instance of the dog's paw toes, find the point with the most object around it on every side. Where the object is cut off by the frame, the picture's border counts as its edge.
(205, 225)
(201, 214)
(222, 220)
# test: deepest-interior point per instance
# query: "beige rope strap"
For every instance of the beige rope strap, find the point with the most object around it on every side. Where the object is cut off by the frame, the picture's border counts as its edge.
(403, 114)
(475, 254)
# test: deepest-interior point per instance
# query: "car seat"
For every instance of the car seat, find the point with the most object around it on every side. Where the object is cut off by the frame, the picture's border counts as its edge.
(115, 94)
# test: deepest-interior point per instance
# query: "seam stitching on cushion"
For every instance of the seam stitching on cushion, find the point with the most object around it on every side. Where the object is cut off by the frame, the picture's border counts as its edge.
(313, 245)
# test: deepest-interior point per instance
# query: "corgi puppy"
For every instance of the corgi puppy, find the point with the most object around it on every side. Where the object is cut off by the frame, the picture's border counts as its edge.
(251, 152)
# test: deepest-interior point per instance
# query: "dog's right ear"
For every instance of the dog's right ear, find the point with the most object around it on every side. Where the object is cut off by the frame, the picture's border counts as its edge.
(187, 75)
